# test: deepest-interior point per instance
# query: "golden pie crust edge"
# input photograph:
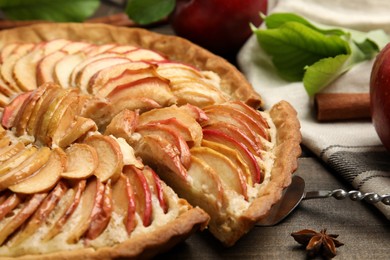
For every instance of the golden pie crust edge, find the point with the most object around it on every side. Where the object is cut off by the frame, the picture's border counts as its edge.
(233, 82)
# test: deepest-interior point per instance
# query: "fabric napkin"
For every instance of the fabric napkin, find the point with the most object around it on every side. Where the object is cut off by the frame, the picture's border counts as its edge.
(351, 148)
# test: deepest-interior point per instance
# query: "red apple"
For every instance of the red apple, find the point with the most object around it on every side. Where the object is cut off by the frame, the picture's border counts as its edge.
(218, 25)
(380, 95)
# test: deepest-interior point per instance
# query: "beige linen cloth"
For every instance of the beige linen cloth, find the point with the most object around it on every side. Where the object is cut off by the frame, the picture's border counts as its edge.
(352, 149)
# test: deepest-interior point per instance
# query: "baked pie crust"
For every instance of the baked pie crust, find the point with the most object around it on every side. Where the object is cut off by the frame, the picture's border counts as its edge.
(103, 116)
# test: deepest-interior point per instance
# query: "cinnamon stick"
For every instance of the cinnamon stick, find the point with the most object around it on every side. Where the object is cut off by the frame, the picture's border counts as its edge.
(342, 106)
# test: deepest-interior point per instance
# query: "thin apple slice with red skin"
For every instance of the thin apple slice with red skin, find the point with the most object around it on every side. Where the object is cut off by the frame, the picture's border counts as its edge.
(79, 189)
(142, 193)
(170, 69)
(101, 213)
(110, 157)
(16, 160)
(94, 192)
(183, 118)
(247, 156)
(28, 208)
(241, 118)
(84, 76)
(194, 97)
(6, 90)
(44, 178)
(219, 116)
(141, 104)
(126, 77)
(122, 49)
(123, 124)
(141, 54)
(77, 131)
(64, 67)
(100, 78)
(7, 51)
(233, 155)
(11, 111)
(45, 67)
(25, 169)
(57, 129)
(124, 202)
(231, 176)
(82, 161)
(95, 50)
(238, 134)
(155, 149)
(196, 112)
(40, 108)
(250, 111)
(156, 187)
(10, 151)
(40, 215)
(80, 66)
(73, 47)
(26, 110)
(11, 202)
(172, 136)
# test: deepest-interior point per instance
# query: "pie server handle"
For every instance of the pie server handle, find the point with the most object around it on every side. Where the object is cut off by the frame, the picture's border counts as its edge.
(354, 195)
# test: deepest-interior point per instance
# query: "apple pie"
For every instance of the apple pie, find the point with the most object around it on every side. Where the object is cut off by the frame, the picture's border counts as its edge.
(118, 142)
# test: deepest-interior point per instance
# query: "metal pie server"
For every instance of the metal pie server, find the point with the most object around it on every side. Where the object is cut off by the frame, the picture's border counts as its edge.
(295, 193)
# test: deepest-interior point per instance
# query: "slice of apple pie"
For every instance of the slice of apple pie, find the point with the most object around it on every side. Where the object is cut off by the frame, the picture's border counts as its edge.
(93, 116)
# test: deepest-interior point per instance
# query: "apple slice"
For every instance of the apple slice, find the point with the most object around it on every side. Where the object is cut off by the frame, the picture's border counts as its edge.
(157, 150)
(10, 151)
(110, 157)
(156, 187)
(196, 112)
(9, 203)
(64, 67)
(143, 195)
(28, 208)
(82, 161)
(123, 198)
(45, 67)
(41, 132)
(84, 76)
(4, 100)
(251, 112)
(7, 51)
(40, 215)
(97, 109)
(171, 136)
(141, 104)
(134, 73)
(247, 156)
(11, 111)
(16, 160)
(79, 129)
(141, 54)
(72, 202)
(231, 176)
(192, 96)
(66, 110)
(73, 47)
(122, 49)
(233, 156)
(25, 169)
(44, 178)
(40, 108)
(206, 181)
(91, 196)
(26, 110)
(241, 119)
(101, 213)
(100, 78)
(169, 69)
(123, 125)
(8, 65)
(58, 128)
(238, 134)
(185, 119)
(95, 50)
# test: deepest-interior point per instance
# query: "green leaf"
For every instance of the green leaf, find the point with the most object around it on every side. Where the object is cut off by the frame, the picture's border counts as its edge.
(293, 46)
(149, 11)
(323, 72)
(276, 20)
(52, 10)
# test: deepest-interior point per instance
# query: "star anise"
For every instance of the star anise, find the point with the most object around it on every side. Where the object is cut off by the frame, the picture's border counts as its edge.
(318, 243)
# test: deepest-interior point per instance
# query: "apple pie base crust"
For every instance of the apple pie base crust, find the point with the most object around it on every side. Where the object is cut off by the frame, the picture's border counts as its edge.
(233, 83)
